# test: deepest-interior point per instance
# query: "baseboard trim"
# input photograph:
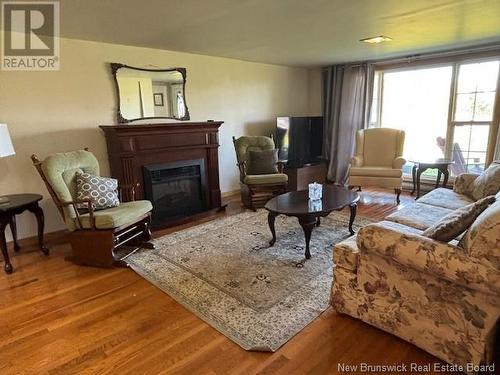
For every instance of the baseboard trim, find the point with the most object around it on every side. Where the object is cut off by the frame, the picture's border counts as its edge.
(230, 193)
(50, 239)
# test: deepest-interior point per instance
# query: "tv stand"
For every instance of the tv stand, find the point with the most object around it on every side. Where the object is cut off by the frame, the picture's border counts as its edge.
(300, 177)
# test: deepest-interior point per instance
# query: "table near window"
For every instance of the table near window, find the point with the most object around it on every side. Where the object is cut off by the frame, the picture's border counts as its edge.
(420, 166)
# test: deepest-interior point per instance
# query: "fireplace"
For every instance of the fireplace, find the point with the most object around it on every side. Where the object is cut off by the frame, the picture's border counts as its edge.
(174, 165)
(176, 189)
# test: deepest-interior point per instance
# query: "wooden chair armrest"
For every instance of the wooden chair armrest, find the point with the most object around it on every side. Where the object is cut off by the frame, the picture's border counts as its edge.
(242, 166)
(127, 187)
(281, 166)
(90, 208)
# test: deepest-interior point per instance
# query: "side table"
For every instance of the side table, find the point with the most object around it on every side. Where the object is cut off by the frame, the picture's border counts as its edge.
(420, 167)
(17, 204)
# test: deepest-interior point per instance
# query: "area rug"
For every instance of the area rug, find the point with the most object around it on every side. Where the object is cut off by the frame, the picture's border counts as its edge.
(225, 272)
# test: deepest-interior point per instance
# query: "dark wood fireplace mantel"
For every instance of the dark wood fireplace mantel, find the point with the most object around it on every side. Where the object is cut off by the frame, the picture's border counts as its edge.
(131, 147)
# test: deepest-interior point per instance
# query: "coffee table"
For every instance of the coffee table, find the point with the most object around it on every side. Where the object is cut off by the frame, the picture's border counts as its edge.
(296, 203)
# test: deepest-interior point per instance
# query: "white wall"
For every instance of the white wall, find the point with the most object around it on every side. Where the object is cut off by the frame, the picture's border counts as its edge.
(314, 97)
(59, 111)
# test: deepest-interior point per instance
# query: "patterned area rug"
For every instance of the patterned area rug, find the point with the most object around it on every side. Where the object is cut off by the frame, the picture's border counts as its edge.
(226, 273)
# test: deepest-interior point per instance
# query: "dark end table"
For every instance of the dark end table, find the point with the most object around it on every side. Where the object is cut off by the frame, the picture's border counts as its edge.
(296, 203)
(17, 204)
(420, 167)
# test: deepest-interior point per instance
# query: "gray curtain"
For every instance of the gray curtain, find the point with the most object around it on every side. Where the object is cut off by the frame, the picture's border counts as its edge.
(347, 92)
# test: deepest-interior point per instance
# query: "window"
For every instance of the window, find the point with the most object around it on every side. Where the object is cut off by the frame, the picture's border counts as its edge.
(473, 114)
(446, 111)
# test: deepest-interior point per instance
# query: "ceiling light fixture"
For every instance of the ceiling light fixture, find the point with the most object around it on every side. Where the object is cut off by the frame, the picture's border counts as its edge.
(376, 39)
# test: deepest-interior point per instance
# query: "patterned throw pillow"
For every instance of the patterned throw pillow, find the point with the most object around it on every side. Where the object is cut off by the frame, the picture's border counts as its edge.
(488, 183)
(458, 221)
(103, 191)
(263, 162)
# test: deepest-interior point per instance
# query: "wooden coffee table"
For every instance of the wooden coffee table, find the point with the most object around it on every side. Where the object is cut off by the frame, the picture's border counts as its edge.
(296, 203)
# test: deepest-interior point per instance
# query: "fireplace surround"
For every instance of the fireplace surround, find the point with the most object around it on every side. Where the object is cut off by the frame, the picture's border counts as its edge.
(174, 165)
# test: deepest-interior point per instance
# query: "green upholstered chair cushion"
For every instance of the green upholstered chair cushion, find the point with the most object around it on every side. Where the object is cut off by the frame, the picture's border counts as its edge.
(60, 171)
(110, 218)
(246, 143)
(259, 179)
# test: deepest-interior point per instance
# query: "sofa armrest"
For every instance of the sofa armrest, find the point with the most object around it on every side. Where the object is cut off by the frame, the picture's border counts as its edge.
(463, 183)
(432, 257)
(357, 161)
(398, 162)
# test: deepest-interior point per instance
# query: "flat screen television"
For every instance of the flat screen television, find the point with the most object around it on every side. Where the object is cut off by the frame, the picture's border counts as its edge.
(299, 140)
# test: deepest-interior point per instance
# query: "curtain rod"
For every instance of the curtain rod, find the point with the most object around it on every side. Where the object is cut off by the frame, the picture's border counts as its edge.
(492, 47)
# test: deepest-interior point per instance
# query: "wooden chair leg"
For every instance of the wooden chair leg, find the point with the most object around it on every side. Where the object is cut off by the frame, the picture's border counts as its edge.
(146, 236)
(398, 193)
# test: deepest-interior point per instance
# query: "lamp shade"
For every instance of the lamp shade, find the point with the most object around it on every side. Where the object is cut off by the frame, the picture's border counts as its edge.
(6, 146)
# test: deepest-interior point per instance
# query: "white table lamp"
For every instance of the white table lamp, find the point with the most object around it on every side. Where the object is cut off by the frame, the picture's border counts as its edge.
(6, 149)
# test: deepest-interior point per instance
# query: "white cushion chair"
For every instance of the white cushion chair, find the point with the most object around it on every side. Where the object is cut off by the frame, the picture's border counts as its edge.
(378, 160)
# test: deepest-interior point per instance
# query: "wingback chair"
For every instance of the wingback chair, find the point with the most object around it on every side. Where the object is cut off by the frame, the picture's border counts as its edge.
(257, 189)
(96, 237)
(378, 160)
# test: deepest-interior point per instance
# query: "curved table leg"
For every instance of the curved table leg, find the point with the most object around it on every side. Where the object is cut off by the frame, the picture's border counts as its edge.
(270, 220)
(438, 178)
(414, 178)
(446, 174)
(307, 223)
(37, 211)
(353, 208)
(13, 229)
(419, 173)
(3, 245)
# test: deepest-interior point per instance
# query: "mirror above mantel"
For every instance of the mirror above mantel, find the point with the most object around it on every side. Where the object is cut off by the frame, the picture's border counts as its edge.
(150, 93)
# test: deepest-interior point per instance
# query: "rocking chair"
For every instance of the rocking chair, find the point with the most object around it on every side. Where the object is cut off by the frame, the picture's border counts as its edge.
(103, 238)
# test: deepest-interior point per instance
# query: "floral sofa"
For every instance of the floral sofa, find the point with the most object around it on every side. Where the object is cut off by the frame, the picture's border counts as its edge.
(442, 297)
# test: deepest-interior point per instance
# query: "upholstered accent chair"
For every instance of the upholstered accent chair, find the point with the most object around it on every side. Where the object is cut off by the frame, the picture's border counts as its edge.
(378, 160)
(102, 238)
(257, 189)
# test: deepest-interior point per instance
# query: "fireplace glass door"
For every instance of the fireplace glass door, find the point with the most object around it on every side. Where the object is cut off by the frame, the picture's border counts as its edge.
(176, 190)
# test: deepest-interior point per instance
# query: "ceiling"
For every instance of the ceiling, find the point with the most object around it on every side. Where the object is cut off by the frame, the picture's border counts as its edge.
(286, 32)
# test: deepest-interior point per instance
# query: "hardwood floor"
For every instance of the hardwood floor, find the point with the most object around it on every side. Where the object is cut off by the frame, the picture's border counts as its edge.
(59, 318)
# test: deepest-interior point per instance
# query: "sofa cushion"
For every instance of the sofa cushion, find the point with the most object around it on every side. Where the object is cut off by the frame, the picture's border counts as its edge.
(419, 215)
(446, 198)
(258, 179)
(110, 218)
(375, 171)
(482, 240)
(400, 227)
(262, 162)
(488, 182)
(457, 221)
(463, 183)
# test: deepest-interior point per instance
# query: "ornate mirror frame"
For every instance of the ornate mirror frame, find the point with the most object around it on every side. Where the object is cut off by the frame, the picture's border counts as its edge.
(121, 120)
